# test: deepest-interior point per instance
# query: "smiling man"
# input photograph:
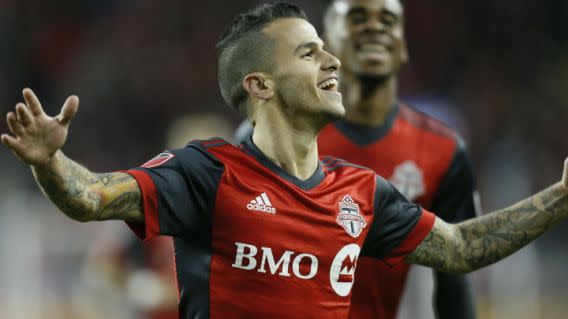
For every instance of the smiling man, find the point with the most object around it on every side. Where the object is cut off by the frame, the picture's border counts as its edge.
(424, 159)
(296, 258)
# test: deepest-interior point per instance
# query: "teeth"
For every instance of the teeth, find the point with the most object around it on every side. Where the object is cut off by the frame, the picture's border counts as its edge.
(329, 84)
(373, 47)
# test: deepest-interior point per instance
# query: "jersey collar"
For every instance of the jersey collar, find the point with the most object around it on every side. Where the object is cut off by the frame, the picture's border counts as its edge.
(306, 185)
(363, 134)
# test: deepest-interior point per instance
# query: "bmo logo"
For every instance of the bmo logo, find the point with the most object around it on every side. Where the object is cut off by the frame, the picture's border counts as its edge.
(342, 271)
(249, 258)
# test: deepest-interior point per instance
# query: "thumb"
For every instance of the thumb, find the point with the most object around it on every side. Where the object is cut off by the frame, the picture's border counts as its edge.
(68, 110)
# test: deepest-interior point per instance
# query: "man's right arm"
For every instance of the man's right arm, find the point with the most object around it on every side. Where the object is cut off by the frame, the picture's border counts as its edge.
(37, 139)
(86, 196)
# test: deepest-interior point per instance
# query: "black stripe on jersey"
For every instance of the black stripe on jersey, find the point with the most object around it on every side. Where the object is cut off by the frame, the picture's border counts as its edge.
(338, 165)
(454, 199)
(395, 217)
(212, 142)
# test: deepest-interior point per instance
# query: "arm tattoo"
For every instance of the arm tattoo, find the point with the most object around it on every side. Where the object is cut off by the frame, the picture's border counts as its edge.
(481, 241)
(84, 196)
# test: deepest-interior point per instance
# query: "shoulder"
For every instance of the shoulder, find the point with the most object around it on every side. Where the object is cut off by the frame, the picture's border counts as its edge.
(331, 164)
(428, 123)
(202, 152)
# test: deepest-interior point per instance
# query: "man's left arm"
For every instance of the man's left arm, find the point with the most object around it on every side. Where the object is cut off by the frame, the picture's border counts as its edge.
(485, 240)
(455, 201)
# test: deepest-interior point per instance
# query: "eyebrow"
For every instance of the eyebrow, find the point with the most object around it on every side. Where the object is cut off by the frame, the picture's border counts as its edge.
(363, 10)
(309, 45)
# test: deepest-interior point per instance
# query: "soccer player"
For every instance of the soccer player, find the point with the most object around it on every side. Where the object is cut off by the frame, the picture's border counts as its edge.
(268, 229)
(424, 159)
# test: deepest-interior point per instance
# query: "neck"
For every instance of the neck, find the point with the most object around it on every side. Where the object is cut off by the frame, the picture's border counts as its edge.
(287, 143)
(368, 101)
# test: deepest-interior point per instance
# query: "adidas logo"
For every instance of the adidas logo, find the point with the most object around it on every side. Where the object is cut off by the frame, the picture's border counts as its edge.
(261, 203)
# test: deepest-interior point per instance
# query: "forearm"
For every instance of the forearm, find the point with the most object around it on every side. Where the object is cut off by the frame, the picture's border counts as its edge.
(453, 296)
(492, 237)
(85, 196)
(484, 240)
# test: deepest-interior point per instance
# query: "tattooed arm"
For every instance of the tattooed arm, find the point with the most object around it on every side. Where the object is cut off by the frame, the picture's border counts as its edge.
(86, 196)
(80, 194)
(481, 241)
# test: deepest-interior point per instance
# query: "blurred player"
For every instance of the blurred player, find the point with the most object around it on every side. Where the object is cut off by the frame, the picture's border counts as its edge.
(424, 159)
(268, 230)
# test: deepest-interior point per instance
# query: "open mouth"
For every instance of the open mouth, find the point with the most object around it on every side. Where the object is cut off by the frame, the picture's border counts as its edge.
(329, 85)
(373, 48)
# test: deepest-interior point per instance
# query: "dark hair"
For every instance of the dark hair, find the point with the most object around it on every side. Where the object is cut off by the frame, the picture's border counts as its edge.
(242, 48)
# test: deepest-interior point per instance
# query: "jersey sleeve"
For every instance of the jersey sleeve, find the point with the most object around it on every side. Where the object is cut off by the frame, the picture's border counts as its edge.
(243, 132)
(456, 199)
(178, 192)
(398, 227)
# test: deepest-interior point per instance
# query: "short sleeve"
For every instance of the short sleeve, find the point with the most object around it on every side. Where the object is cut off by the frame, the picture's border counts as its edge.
(456, 199)
(398, 227)
(178, 192)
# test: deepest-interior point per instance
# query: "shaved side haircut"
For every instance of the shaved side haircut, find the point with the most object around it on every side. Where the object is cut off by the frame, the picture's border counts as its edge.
(243, 49)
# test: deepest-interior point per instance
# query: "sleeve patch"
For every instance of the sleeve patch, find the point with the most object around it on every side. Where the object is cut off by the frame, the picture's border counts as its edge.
(160, 159)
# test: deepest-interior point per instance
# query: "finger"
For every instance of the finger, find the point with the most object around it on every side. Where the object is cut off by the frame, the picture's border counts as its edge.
(68, 110)
(13, 124)
(33, 102)
(11, 142)
(23, 114)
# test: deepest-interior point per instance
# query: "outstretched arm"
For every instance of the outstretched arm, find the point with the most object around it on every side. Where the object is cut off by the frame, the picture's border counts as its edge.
(79, 193)
(484, 240)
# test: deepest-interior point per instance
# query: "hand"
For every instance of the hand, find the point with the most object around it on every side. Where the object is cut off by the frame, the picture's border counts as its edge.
(37, 136)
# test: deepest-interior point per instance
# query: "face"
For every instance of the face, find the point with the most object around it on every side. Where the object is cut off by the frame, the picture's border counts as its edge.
(304, 74)
(367, 35)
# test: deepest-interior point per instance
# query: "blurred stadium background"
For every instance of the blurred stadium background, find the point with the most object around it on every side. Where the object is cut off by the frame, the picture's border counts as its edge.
(145, 73)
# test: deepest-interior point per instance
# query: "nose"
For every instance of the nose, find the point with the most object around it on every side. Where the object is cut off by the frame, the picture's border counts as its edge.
(374, 24)
(331, 62)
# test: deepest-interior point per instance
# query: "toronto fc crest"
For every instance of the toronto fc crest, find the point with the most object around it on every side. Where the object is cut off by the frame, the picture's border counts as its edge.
(349, 217)
(408, 180)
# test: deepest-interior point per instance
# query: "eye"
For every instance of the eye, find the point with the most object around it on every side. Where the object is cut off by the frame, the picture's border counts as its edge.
(389, 19)
(308, 54)
(357, 18)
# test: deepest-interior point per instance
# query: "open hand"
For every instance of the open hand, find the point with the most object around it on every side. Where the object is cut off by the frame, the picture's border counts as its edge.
(37, 136)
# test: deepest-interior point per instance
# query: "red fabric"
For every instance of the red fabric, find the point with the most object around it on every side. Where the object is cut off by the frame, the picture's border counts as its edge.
(151, 226)
(305, 222)
(431, 146)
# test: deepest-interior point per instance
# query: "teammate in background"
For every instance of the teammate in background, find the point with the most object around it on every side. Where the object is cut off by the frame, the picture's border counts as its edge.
(296, 258)
(424, 159)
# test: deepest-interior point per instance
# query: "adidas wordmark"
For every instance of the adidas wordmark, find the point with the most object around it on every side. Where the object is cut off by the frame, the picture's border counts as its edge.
(261, 203)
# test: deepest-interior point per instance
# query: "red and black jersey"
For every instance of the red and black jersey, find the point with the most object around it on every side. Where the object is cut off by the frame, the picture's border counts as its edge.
(253, 241)
(427, 162)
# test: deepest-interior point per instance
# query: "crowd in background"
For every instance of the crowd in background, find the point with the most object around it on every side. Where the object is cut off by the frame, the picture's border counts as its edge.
(145, 74)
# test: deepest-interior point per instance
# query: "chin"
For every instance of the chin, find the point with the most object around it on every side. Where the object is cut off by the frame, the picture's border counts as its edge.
(335, 112)
(374, 70)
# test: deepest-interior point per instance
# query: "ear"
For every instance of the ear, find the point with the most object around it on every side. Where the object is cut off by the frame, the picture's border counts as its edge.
(259, 85)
